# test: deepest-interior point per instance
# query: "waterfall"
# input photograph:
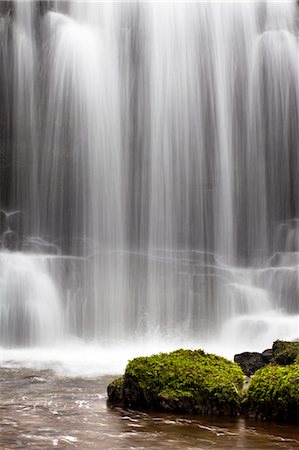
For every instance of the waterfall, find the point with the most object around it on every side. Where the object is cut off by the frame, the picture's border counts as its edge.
(30, 307)
(149, 172)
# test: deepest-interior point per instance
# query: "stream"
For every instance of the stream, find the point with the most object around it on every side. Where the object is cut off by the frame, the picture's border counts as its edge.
(42, 410)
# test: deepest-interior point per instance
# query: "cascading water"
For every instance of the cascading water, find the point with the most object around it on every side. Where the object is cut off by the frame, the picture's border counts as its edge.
(149, 172)
(30, 309)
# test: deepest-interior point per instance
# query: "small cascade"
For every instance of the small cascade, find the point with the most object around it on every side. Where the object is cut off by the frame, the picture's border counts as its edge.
(257, 331)
(248, 300)
(256, 312)
(30, 308)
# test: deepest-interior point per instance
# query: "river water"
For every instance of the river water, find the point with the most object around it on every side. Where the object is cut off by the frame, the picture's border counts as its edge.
(42, 410)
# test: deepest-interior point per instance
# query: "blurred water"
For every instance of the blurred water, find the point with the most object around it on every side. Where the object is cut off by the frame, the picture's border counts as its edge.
(149, 173)
(40, 410)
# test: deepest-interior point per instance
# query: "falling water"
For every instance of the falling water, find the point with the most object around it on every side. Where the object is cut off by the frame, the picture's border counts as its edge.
(149, 172)
(30, 310)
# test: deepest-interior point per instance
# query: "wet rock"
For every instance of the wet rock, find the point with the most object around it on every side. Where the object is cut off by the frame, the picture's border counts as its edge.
(267, 355)
(282, 353)
(250, 362)
(115, 391)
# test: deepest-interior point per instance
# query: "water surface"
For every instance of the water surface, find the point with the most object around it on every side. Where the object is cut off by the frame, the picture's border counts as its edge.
(40, 409)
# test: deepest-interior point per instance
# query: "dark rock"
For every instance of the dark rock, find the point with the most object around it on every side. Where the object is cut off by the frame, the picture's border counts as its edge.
(267, 355)
(115, 391)
(133, 394)
(250, 362)
(282, 353)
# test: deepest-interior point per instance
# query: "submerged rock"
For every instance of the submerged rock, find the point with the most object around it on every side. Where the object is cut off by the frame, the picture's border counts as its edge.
(182, 381)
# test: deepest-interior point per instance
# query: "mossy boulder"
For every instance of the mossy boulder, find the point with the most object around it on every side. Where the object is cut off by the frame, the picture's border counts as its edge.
(182, 381)
(285, 352)
(115, 391)
(273, 393)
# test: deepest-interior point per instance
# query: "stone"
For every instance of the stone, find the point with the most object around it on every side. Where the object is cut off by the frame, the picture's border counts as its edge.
(185, 381)
(267, 355)
(250, 362)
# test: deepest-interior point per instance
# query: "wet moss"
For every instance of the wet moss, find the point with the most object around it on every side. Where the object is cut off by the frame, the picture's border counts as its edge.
(285, 352)
(183, 381)
(115, 391)
(273, 393)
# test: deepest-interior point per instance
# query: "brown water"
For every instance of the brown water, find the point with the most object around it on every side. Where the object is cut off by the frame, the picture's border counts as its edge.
(41, 410)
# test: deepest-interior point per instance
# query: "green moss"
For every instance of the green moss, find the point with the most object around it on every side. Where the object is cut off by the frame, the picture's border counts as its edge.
(273, 393)
(184, 380)
(115, 390)
(285, 352)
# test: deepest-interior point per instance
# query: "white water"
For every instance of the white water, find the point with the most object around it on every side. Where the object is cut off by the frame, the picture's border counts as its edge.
(151, 151)
(30, 308)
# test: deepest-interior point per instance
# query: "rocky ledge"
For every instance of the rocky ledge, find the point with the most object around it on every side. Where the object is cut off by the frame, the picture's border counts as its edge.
(282, 353)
